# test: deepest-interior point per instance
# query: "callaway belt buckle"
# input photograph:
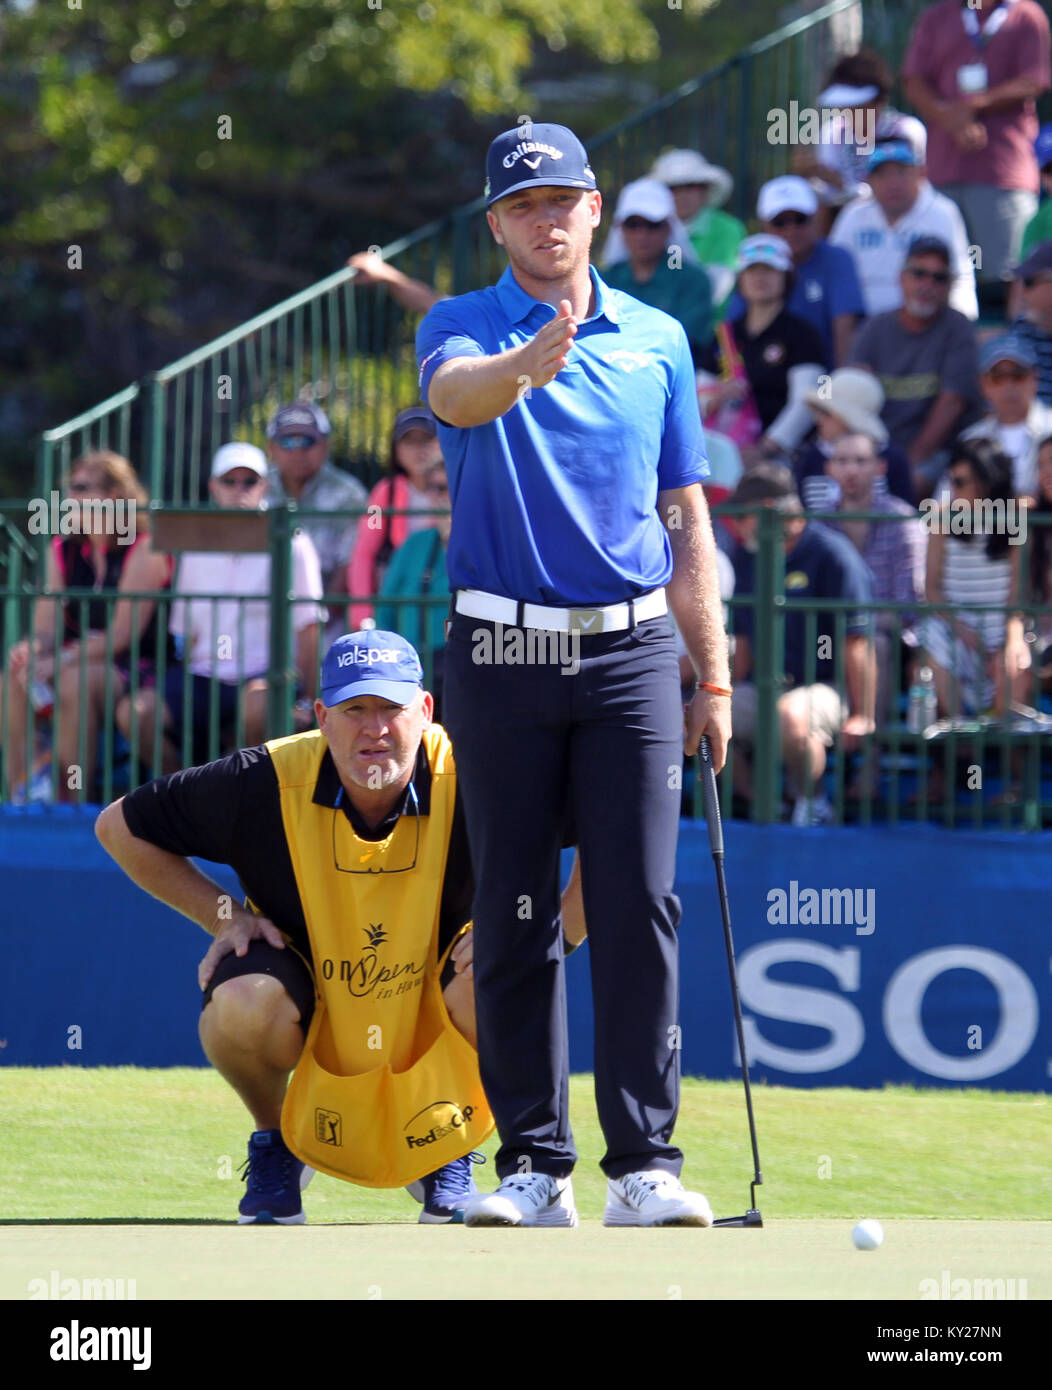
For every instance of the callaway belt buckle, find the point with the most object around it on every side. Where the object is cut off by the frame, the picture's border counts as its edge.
(586, 620)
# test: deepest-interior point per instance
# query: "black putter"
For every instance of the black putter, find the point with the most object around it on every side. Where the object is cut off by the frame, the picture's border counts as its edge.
(712, 814)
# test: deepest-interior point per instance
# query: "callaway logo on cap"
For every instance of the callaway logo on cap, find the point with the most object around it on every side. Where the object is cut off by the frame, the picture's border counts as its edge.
(370, 662)
(533, 156)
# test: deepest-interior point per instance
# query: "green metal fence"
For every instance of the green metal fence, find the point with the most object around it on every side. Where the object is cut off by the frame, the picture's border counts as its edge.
(990, 768)
(351, 348)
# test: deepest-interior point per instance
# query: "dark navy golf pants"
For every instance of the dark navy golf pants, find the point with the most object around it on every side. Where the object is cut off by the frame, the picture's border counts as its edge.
(601, 750)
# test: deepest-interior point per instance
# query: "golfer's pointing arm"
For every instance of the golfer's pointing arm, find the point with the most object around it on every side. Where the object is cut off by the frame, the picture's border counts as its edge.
(468, 391)
(694, 596)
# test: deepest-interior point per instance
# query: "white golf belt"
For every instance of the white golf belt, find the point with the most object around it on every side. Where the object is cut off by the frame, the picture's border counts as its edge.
(614, 617)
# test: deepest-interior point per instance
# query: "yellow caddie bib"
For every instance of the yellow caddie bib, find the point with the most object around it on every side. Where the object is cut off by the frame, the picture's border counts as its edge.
(386, 1089)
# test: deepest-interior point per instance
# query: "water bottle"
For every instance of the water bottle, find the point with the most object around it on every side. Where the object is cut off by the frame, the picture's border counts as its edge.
(42, 698)
(923, 707)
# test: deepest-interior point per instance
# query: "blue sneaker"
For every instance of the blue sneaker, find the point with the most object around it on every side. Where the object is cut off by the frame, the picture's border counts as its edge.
(275, 1178)
(446, 1192)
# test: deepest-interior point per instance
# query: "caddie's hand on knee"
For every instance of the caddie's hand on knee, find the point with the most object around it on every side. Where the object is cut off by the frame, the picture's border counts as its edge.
(708, 714)
(234, 936)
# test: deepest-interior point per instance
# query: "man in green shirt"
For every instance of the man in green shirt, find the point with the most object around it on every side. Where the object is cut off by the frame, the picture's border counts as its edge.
(657, 271)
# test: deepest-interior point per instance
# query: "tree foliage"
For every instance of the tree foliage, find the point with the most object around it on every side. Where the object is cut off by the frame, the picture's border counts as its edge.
(168, 169)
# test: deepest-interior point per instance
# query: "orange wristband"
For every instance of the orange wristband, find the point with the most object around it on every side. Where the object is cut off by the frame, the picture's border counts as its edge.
(715, 689)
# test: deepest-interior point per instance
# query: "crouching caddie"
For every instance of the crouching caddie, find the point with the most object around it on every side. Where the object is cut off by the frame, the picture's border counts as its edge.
(349, 964)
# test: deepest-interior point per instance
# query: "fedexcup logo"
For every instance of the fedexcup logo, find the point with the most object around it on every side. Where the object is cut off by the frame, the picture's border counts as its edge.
(435, 1122)
(525, 147)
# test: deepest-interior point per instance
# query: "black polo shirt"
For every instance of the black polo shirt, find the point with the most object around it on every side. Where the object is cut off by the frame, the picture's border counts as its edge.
(786, 342)
(229, 811)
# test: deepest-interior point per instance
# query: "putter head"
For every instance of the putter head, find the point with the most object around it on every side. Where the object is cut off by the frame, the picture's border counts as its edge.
(751, 1218)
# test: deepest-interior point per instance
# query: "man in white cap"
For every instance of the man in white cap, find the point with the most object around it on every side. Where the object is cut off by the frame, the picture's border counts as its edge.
(226, 653)
(654, 268)
(826, 291)
(298, 437)
(700, 190)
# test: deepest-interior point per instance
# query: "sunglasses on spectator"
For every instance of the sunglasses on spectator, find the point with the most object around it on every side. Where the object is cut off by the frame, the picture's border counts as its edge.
(295, 441)
(638, 224)
(1008, 374)
(790, 219)
(240, 484)
(940, 277)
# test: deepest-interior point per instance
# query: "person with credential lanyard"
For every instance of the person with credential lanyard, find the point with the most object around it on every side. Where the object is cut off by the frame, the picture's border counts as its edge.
(570, 429)
(350, 963)
(973, 72)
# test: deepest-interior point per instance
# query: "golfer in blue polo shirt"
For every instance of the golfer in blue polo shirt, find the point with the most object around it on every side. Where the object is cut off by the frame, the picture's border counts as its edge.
(570, 429)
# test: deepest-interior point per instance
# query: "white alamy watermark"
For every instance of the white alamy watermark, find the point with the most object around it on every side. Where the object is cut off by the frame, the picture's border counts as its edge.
(833, 125)
(58, 1287)
(823, 907)
(947, 1287)
(529, 646)
(56, 515)
(79, 1343)
(985, 516)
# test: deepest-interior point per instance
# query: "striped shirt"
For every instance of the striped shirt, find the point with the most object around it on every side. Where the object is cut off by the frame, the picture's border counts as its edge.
(893, 553)
(970, 577)
(1040, 344)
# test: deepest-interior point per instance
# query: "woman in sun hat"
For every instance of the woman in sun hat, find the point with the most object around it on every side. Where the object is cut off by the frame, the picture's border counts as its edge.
(850, 402)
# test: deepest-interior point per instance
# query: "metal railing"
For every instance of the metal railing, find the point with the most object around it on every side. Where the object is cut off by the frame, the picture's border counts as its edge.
(351, 348)
(888, 775)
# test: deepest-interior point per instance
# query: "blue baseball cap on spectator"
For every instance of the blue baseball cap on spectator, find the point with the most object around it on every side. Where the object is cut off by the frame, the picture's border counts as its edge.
(1043, 146)
(893, 152)
(299, 417)
(536, 156)
(1007, 348)
(370, 662)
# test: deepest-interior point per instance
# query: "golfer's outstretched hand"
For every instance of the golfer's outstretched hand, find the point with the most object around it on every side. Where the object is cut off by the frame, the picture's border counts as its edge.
(243, 927)
(545, 355)
(708, 714)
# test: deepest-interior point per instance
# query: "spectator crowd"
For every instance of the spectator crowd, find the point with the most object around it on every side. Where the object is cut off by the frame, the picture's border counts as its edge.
(881, 340)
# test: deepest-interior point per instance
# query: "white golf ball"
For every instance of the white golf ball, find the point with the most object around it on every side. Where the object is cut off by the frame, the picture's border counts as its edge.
(867, 1235)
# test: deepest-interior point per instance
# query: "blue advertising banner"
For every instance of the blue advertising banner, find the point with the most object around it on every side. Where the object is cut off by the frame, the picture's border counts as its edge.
(865, 956)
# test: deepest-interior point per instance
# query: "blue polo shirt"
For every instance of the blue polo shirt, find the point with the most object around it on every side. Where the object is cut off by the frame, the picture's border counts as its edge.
(554, 502)
(826, 286)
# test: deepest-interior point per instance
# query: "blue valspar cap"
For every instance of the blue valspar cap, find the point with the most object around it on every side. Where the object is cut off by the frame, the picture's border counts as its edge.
(370, 662)
(536, 156)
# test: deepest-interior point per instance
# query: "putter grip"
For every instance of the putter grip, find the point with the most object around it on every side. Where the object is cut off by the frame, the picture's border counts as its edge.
(712, 796)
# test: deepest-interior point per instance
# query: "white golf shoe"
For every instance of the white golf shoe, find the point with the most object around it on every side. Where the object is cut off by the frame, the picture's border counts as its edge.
(653, 1198)
(531, 1199)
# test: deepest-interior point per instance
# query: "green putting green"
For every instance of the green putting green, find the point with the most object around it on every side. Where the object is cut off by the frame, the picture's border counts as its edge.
(132, 1174)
